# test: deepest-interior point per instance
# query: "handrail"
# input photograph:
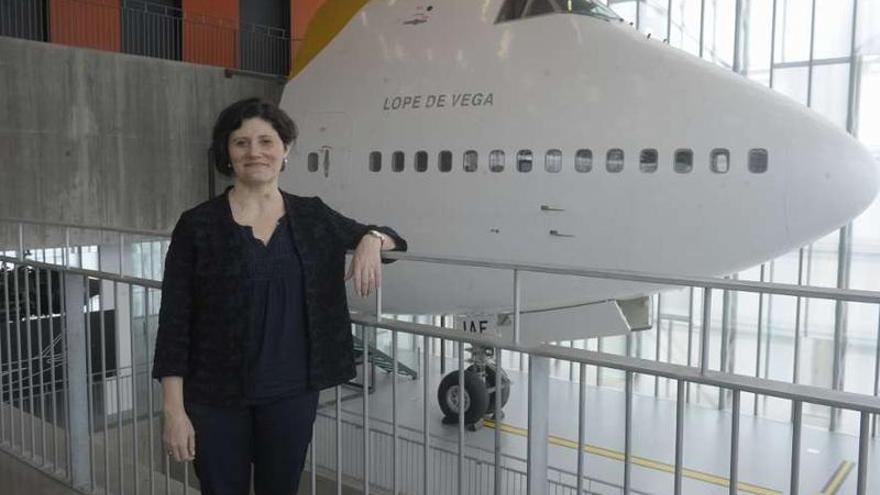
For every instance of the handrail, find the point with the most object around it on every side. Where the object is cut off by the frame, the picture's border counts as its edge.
(848, 295)
(783, 390)
(69, 225)
(112, 277)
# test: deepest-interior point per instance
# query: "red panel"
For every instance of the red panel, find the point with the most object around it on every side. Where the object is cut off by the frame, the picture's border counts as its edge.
(210, 32)
(85, 23)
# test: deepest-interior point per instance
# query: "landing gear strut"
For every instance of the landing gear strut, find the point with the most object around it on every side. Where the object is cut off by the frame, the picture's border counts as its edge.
(477, 400)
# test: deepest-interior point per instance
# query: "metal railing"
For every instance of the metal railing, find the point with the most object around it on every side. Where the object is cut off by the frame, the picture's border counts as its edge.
(150, 29)
(25, 19)
(99, 406)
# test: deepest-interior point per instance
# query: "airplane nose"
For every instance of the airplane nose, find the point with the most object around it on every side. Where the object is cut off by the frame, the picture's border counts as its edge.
(832, 178)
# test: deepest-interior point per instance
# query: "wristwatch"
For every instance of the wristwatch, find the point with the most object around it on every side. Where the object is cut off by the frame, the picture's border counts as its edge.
(378, 235)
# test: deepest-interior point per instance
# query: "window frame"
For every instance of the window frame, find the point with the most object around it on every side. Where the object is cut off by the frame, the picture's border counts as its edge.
(444, 161)
(578, 159)
(420, 161)
(552, 154)
(476, 161)
(713, 160)
(765, 161)
(608, 160)
(313, 161)
(398, 161)
(493, 156)
(689, 165)
(520, 159)
(644, 165)
(375, 161)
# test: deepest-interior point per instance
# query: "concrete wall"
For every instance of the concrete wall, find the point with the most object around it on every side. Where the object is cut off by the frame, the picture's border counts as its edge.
(105, 138)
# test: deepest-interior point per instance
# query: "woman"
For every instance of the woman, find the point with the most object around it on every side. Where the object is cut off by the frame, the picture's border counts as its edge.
(254, 319)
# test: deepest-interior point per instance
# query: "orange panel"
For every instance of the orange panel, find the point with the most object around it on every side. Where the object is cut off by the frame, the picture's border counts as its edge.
(301, 13)
(210, 32)
(85, 23)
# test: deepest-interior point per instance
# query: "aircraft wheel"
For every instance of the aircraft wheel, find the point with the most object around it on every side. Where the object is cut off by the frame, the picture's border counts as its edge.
(475, 397)
(489, 370)
(505, 388)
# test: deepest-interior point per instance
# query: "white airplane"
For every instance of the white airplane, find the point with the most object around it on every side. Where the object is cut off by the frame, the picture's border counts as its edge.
(550, 131)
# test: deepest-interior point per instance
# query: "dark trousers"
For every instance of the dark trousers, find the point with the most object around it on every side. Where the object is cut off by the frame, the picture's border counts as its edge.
(273, 436)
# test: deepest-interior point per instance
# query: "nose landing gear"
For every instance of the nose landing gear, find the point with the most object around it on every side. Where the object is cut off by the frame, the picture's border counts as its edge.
(477, 400)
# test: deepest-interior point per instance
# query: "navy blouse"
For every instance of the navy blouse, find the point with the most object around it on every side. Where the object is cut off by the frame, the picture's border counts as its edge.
(276, 353)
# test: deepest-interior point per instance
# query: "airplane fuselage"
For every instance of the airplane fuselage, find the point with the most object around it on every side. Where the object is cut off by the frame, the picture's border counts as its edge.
(609, 119)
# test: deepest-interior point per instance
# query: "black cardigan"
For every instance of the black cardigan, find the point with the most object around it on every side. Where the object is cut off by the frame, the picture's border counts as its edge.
(205, 308)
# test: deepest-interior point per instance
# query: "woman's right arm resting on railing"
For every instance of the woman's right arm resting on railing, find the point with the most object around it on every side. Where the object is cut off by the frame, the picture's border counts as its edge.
(171, 359)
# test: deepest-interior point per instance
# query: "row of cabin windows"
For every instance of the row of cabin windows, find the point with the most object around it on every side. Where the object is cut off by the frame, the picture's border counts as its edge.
(649, 161)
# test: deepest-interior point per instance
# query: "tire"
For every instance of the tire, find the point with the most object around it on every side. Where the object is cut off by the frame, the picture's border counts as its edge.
(476, 397)
(490, 385)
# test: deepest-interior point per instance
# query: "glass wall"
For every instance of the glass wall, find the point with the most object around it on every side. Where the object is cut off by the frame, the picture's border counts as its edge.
(824, 54)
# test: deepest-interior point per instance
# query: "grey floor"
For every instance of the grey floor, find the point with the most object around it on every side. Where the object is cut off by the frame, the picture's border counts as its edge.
(828, 460)
(19, 478)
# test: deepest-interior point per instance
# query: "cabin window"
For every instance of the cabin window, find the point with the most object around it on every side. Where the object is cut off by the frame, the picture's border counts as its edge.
(524, 161)
(614, 160)
(397, 161)
(553, 161)
(583, 161)
(719, 160)
(648, 159)
(758, 160)
(684, 161)
(470, 161)
(313, 162)
(444, 161)
(496, 161)
(375, 161)
(421, 161)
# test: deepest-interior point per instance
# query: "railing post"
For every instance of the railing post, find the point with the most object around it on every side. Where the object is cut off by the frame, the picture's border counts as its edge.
(679, 436)
(582, 430)
(690, 345)
(627, 434)
(517, 290)
(538, 421)
(759, 338)
(704, 330)
(797, 417)
(725, 344)
(734, 443)
(426, 411)
(77, 390)
(862, 481)
(497, 418)
(877, 371)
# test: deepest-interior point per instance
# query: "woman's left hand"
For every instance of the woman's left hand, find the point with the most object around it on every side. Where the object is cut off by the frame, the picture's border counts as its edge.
(366, 266)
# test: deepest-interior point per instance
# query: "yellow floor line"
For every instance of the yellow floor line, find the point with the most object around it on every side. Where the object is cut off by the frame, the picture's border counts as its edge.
(838, 478)
(641, 461)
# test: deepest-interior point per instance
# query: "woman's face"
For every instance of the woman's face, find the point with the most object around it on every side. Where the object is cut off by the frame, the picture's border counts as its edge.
(256, 152)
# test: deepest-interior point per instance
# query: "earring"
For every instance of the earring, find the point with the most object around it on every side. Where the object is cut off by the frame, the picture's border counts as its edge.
(229, 166)
(283, 164)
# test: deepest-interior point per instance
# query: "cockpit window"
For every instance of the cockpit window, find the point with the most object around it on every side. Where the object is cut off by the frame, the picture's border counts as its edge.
(538, 7)
(520, 9)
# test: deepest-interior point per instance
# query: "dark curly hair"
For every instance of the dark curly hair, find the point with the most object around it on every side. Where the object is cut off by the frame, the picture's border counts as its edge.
(231, 118)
